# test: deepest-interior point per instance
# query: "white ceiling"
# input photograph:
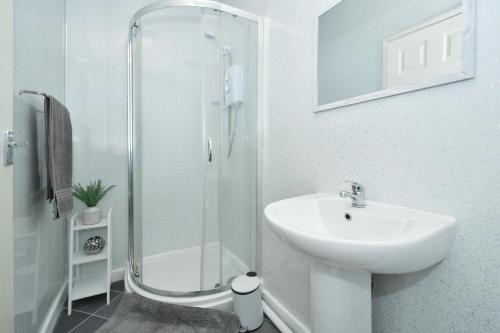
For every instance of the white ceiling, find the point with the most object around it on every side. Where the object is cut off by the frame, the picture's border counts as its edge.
(254, 6)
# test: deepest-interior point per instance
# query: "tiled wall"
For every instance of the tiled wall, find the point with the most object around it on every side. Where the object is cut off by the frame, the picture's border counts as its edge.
(39, 242)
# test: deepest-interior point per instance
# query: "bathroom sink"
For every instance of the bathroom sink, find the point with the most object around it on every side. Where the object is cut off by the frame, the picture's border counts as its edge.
(348, 244)
(379, 238)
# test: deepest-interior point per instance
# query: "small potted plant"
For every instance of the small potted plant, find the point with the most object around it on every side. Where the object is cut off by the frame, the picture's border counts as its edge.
(90, 196)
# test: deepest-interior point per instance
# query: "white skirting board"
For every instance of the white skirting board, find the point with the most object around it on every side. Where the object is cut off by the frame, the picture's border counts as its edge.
(50, 320)
(282, 315)
(273, 317)
(275, 311)
(57, 304)
(118, 274)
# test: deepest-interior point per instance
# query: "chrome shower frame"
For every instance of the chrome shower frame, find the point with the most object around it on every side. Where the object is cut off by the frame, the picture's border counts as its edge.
(133, 24)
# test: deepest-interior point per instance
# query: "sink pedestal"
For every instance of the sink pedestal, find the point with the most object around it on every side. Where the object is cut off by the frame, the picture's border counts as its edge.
(340, 300)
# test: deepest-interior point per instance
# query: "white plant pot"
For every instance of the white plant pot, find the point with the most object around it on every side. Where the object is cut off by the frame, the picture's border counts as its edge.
(91, 215)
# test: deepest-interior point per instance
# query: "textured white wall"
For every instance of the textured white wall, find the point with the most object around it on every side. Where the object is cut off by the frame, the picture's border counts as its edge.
(96, 93)
(171, 131)
(435, 150)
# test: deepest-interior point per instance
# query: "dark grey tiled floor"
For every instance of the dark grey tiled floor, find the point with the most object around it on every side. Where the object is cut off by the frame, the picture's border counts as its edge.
(91, 313)
(267, 327)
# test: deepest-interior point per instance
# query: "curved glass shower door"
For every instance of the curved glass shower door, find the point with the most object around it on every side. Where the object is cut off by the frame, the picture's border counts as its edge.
(192, 149)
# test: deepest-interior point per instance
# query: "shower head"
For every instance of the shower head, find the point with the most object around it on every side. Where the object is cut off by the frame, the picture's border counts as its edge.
(209, 35)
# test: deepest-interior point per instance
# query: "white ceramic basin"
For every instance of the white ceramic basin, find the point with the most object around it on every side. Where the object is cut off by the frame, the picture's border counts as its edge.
(379, 238)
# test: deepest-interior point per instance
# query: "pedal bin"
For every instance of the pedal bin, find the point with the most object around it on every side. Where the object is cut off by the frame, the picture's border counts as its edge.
(247, 301)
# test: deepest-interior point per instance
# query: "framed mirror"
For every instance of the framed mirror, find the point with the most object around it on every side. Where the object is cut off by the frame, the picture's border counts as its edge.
(373, 49)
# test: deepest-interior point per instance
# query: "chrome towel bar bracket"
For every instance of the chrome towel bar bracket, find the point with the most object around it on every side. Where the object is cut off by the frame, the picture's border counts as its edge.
(32, 92)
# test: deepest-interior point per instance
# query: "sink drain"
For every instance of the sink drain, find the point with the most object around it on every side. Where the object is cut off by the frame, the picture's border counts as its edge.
(347, 216)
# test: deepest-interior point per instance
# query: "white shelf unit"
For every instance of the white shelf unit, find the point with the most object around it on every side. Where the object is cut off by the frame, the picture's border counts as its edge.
(85, 286)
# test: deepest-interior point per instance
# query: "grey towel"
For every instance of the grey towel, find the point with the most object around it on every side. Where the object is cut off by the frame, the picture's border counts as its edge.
(138, 314)
(59, 156)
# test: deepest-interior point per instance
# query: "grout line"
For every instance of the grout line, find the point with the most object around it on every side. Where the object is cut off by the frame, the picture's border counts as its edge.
(71, 330)
(99, 309)
(90, 316)
(118, 291)
(73, 310)
(98, 316)
(111, 301)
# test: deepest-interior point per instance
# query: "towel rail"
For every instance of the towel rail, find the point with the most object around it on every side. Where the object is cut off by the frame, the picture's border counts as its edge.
(34, 92)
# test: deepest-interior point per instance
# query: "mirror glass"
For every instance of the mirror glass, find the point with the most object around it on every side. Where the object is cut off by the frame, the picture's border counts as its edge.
(373, 49)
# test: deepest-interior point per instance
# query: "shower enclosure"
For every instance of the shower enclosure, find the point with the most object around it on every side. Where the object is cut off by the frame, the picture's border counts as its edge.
(193, 150)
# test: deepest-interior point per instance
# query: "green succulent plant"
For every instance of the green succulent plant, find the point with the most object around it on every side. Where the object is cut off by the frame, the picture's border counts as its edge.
(92, 193)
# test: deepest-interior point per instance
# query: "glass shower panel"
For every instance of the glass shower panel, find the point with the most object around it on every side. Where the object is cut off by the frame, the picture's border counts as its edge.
(171, 149)
(238, 159)
(194, 149)
(229, 42)
(238, 178)
(212, 65)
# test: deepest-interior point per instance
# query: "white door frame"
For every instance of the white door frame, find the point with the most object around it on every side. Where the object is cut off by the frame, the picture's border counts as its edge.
(6, 174)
